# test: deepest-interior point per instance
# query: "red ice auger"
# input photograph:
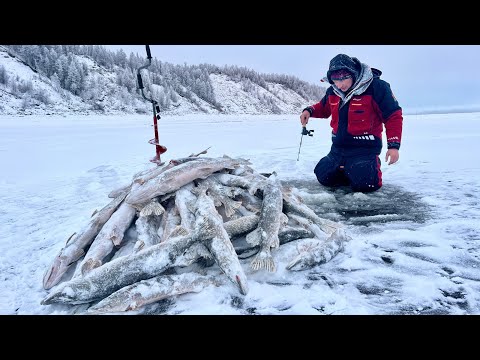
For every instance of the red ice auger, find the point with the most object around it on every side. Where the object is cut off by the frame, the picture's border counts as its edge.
(159, 149)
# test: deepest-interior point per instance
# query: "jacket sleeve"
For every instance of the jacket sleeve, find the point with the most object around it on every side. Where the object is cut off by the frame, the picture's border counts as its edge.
(391, 113)
(320, 109)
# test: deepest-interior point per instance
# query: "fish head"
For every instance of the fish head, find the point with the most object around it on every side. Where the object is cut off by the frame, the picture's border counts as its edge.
(242, 284)
(297, 264)
(64, 295)
(55, 272)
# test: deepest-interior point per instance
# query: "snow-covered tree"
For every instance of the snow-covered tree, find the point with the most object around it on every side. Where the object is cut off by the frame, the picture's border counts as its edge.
(3, 75)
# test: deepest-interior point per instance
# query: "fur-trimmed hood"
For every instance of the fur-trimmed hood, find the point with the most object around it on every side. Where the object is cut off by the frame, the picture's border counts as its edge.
(363, 81)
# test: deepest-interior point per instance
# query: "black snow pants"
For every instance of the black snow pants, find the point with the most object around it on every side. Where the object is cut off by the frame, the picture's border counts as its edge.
(361, 172)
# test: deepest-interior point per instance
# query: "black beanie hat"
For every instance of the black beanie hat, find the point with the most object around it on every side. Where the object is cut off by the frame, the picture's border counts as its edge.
(345, 62)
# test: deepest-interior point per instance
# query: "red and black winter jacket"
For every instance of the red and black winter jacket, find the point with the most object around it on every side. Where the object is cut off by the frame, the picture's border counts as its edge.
(357, 126)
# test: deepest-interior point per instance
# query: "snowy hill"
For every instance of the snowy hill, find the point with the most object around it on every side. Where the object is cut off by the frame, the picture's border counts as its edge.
(44, 97)
(235, 100)
(24, 90)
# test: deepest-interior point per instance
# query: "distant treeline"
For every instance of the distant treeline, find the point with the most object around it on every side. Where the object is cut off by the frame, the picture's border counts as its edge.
(60, 63)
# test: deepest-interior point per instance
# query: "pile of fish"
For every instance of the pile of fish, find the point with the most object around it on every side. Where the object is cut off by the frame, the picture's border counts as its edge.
(191, 210)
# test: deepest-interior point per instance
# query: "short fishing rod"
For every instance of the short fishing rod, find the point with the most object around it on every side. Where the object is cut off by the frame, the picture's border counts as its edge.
(304, 132)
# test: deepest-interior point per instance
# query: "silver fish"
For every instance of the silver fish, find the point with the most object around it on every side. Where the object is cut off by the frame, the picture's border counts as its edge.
(140, 178)
(233, 228)
(147, 227)
(144, 176)
(222, 195)
(237, 181)
(294, 204)
(148, 291)
(75, 247)
(271, 218)
(287, 234)
(111, 235)
(309, 225)
(321, 252)
(178, 176)
(209, 226)
(126, 270)
(185, 201)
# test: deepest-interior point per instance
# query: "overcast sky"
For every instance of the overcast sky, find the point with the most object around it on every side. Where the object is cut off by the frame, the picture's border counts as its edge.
(421, 76)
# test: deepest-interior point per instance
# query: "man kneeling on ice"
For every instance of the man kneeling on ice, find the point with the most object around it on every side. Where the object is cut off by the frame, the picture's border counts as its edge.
(360, 103)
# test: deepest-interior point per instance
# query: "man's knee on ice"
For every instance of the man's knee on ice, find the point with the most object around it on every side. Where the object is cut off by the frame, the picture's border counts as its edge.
(326, 173)
(365, 174)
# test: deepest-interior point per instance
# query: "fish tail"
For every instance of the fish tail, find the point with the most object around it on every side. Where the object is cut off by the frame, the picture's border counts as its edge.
(153, 207)
(263, 260)
(230, 206)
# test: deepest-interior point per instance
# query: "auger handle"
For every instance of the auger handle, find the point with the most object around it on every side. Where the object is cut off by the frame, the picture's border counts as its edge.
(139, 75)
(140, 81)
(149, 56)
